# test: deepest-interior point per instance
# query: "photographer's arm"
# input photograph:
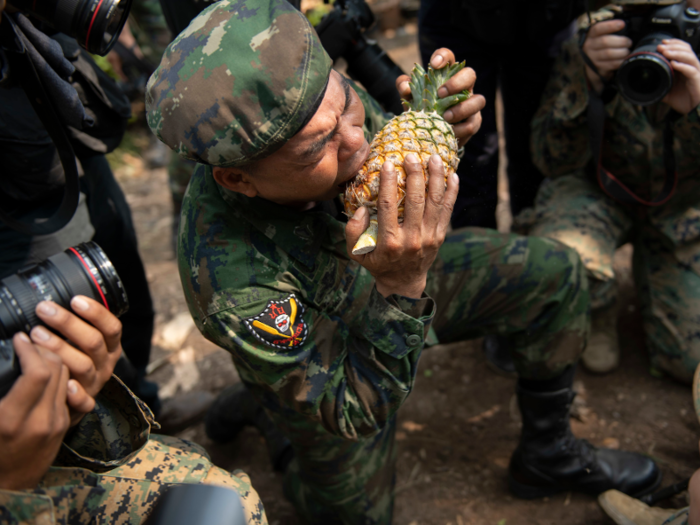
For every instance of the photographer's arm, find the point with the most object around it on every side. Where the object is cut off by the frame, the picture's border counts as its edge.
(33, 417)
(94, 350)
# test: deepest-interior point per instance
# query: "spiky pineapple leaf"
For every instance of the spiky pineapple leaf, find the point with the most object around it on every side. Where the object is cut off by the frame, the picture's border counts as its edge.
(424, 87)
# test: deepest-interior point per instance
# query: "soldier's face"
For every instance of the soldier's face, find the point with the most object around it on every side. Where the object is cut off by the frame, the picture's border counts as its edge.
(316, 163)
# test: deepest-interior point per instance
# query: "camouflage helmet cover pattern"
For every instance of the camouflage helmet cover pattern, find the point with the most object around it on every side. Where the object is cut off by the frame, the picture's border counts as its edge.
(238, 82)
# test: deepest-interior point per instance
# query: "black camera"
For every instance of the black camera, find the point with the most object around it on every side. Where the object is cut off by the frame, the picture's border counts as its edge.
(80, 270)
(646, 76)
(95, 24)
(342, 33)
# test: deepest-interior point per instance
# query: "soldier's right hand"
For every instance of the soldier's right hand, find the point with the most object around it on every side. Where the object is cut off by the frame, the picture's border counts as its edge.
(606, 50)
(33, 416)
(405, 252)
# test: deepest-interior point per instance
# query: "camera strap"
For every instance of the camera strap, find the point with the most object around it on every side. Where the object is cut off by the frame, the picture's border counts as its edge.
(612, 186)
(23, 70)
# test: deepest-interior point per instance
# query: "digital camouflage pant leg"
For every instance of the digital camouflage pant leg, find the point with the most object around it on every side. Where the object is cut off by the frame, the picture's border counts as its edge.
(333, 480)
(575, 211)
(529, 289)
(126, 494)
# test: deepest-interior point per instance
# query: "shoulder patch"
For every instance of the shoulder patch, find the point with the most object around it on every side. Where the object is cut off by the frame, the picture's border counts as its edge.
(281, 324)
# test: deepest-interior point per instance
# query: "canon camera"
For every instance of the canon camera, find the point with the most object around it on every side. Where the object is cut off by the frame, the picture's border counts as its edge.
(80, 270)
(95, 24)
(646, 76)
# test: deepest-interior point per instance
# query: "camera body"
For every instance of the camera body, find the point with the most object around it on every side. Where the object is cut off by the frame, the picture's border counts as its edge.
(341, 32)
(646, 76)
(80, 270)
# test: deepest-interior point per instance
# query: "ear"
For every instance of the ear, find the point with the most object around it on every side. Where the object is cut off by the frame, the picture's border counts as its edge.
(235, 179)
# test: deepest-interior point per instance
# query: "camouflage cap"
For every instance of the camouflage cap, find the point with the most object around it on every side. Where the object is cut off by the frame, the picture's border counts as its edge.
(238, 82)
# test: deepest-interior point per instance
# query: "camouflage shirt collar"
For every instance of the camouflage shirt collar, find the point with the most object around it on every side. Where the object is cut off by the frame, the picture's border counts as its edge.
(298, 233)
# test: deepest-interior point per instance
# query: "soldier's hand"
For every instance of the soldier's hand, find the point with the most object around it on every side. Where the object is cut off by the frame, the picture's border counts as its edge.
(93, 351)
(33, 416)
(685, 93)
(606, 50)
(465, 117)
(405, 252)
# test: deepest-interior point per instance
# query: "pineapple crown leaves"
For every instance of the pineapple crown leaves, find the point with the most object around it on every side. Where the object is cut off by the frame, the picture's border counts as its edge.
(424, 87)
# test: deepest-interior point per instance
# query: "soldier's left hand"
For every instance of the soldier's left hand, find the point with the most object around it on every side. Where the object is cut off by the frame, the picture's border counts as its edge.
(91, 354)
(685, 93)
(465, 117)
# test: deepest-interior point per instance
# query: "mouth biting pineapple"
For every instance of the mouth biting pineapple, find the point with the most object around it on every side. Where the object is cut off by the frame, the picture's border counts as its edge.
(420, 130)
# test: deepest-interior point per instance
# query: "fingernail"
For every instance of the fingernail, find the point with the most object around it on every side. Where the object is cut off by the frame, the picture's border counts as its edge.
(72, 386)
(437, 60)
(412, 158)
(443, 92)
(405, 86)
(434, 158)
(24, 337)
(78, 303)
(449, 114)
(41, 333)
(360, 214)
(389, 165)
(455, 179)
(46, 308)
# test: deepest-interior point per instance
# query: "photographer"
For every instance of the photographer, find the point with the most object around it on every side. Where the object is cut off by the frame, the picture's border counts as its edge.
(75, 441)
(642, 187)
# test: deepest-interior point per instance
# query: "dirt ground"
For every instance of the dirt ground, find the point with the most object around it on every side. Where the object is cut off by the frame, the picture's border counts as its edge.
(460, 425)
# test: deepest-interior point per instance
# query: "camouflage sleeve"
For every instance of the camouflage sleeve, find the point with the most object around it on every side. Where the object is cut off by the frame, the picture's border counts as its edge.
(375, 116)
(559, 138)
(350, 369)
(116, 429)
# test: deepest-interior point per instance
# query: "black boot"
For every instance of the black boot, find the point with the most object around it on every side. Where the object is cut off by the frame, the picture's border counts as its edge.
(549, 459)
(236, 408)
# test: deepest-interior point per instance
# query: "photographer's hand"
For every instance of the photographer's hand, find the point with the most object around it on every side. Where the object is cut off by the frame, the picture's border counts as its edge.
(606, 50)
(33, 417)
(465, 117)
(685, 93)
(406, 251)
(95, 351)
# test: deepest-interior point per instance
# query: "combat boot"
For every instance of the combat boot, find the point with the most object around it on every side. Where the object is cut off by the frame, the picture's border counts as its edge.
(236, 408)
(549, 459)
(602, 354)
(626, 510)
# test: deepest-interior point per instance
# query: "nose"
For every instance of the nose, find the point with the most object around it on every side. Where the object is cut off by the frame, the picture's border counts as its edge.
(352, 140)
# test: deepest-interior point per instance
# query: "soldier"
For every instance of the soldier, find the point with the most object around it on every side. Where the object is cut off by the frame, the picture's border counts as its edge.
(572, 208)
(106, 469)
(327, 342)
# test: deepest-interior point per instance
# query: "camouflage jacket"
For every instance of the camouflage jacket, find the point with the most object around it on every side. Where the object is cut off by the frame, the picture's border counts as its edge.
(109, 436)
(632, 148)
(306, 326)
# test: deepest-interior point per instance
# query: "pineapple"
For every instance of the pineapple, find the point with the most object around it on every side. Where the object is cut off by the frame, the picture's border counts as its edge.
(420, 130)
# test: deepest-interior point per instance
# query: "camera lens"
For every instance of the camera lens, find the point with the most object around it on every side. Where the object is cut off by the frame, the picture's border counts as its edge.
(80, 270)
(95, 24)
(645, 77)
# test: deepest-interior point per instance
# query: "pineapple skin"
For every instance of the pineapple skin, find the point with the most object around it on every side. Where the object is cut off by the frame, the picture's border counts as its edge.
(410, 132)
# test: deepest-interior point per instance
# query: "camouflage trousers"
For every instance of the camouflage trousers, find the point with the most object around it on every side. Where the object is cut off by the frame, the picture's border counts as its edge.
(575, 211)
(126, 494)
(532, 290)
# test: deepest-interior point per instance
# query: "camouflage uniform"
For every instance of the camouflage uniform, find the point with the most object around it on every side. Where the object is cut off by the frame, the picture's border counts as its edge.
(572, 209)
(329, 358)
(108, 471)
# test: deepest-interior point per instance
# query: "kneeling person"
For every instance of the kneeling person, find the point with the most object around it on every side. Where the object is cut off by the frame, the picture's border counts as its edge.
(328, 342)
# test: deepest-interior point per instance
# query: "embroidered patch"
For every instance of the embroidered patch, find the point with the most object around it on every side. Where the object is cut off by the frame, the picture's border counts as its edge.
(281, 324)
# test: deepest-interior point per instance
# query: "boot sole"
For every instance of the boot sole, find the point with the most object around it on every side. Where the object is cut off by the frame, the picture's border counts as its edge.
(522, 491)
